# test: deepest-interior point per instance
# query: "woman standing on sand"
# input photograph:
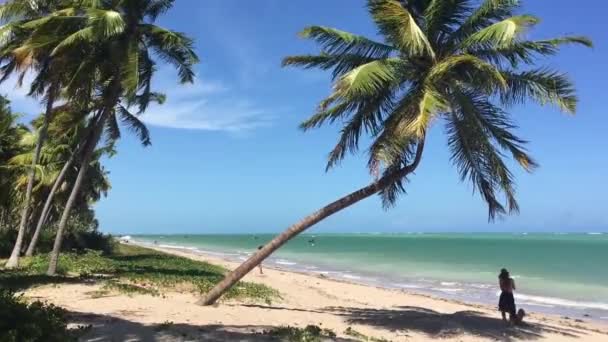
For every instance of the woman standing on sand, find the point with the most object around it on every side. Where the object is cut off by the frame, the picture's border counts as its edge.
(506, 303)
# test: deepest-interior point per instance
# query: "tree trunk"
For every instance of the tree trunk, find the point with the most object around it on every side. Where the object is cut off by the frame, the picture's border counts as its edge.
(49, 200)
(310, 220)
(89, 149)
(13, 261)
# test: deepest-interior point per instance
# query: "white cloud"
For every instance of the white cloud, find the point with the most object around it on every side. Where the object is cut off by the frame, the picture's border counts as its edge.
(204, 105)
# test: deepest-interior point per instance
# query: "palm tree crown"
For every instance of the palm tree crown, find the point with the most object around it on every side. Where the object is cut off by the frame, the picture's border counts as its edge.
(439, 60)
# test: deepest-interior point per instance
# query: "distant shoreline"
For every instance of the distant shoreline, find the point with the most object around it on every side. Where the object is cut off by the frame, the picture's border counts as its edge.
(284, 266)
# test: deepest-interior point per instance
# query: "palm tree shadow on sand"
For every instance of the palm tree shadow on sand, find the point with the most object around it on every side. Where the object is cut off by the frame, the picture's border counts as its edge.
(109, 328)
(439, 325)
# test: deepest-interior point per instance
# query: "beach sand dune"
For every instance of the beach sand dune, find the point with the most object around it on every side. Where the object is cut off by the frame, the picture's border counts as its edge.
(393, 315)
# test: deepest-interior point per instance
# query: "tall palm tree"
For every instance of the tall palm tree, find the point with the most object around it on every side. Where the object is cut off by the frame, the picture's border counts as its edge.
(81, 136)
(21, 54)
(120, 38)
(439, 60)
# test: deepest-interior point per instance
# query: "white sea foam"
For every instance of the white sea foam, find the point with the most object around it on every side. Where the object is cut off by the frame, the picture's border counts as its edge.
(561, 302)
(408, 286)
(595, 233)
(448, 283)
(172, 246)
(350, 276)
(604, 317)
(284, 262)
(447, 289)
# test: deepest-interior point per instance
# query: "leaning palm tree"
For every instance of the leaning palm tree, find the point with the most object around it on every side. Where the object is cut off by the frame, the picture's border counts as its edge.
(120, 38)
(439, 61)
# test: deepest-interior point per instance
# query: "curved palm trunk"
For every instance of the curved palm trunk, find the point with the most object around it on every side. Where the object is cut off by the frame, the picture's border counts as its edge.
(84, 165)
(13, 261)
(49, 200)
(47, 206)
(310, 220)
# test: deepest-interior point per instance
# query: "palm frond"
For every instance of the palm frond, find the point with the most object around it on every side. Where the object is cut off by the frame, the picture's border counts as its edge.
(135, 125)
(396, 23)
(487, 13)
(478, 161)
(174, 48)
(542, 85)
(495, 124)
(341, 63)
(158, 7)
(527, 51)
(368, 78)
(366, 116)
(337, 42)
(112, 129)
(398, 129)
(500, 34)
(447, 67)
(130, 69)
(442, 17)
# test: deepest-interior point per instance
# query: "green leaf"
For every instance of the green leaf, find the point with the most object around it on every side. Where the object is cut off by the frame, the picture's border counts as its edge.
(542, 85)
(368, 78)
(337, 42)
(441, 70)
(400, 28)
(500, 34)
(527, 51)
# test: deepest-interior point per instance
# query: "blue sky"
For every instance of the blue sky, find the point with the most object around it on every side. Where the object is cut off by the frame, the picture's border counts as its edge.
(227, 155)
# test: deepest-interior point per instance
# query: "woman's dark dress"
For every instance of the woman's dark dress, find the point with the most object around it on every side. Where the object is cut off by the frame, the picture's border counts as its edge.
(506, 302)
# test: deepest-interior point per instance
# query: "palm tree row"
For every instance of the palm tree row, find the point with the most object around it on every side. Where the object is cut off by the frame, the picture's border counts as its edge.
(99, 59)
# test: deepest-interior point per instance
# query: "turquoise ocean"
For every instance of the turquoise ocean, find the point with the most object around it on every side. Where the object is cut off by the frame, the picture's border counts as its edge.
(558, 273)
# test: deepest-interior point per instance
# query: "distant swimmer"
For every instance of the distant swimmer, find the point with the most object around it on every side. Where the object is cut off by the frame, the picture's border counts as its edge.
(260, 265)
(312, 242)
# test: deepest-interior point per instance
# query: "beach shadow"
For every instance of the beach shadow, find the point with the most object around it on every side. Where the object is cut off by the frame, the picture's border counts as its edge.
(170, 272)
(440, 325)
(19, 282)
(108, 328)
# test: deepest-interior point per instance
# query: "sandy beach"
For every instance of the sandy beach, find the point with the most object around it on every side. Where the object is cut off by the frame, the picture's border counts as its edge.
(392, 315)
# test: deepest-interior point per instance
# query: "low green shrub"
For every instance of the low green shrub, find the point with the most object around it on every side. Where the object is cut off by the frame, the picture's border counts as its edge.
(311, 333)
(31, 322)
(78, 242)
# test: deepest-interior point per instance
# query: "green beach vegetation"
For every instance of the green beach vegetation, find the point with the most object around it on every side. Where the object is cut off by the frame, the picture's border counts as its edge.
(458, 65)
(131, 270)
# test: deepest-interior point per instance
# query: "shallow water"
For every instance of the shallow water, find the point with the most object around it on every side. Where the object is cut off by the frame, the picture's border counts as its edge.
(555, 273)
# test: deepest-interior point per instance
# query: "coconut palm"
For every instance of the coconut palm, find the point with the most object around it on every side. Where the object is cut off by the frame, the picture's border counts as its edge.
(19, 54)
(119, 38)
(10, 135)
(439, 61)
(78, 139)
